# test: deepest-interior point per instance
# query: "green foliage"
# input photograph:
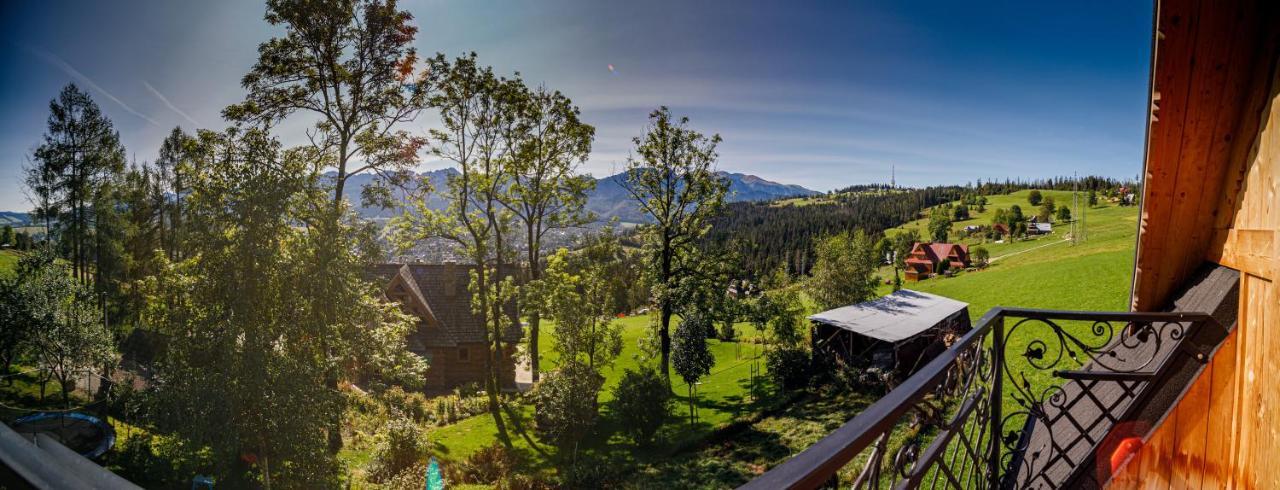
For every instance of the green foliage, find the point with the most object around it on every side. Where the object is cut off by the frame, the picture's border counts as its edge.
(401, 447)
(6, 235)
(57, 321)
(844, 273)
(1034, 198)
(961, 212)
(981, 255)
(1064, 214)
(575, 291)
(547, 193)
(789, 366)
(902, 245)
(689, 355)
(492, 464)
(784, 233)
(363, 90)
(939, 225)
(1047, 209)
(74, 168)
(671, 177)
(642, 400)
(474, 105)
(279, 311)
(1093, 198)
(566, 406)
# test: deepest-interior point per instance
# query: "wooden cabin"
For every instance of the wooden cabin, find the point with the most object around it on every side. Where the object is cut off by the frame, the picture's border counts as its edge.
(926, 259)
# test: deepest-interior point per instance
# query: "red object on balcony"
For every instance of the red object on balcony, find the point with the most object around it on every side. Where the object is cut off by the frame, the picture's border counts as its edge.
(1126, 448)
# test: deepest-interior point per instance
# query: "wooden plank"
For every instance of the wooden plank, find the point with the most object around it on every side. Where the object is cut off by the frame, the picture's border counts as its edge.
(1155, 458)
(1267, 430)
(1191, 433)
(1171, 79)
(1215, 469)
(1207, 103)
(1249, 251)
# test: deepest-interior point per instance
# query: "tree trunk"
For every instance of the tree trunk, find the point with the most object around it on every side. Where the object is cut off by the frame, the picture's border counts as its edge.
(534, 320)
(664, 334)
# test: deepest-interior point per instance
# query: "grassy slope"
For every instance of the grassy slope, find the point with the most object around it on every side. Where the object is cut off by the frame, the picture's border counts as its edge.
(1052, 273)
(1094, 275)
(8, 260)
(722, 396)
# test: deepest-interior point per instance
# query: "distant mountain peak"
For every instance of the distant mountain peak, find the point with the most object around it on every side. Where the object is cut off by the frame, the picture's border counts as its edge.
(608, 200)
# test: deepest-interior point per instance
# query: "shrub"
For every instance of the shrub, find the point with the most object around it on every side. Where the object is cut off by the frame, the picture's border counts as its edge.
(414, 404)
(489, 465)
(981, 256)
(566, 401)
(642, 401)
(401, 447)
(788, 366)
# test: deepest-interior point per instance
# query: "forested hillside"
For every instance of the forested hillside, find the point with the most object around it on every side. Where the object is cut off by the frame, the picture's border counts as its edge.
(771, 234)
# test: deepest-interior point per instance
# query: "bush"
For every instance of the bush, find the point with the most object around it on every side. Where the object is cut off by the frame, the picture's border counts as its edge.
(401, 447)
(788, 366)
(489, 465)
(642, 401)
(566, 402)
(414, 405)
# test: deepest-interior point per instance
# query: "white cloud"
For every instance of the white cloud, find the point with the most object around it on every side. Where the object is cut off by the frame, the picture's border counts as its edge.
(168, 104)
(62, 64)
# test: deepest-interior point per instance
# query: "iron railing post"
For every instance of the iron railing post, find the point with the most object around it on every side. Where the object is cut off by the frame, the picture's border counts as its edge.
(997, 379)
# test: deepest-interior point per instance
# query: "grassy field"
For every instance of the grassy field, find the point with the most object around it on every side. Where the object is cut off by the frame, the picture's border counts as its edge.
(8, 260)
(722, 397)
(1047, 272)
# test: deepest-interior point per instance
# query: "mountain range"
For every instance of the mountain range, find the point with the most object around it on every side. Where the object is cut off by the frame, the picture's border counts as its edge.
(608, 200)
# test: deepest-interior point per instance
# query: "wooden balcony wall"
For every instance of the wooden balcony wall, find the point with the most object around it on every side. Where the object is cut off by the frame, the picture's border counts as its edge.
(1213, 167)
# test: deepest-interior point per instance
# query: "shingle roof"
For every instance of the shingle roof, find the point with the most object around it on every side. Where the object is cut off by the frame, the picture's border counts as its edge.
(444, 289)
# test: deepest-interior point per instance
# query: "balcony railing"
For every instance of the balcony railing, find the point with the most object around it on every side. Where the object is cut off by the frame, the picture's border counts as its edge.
(1024, 400)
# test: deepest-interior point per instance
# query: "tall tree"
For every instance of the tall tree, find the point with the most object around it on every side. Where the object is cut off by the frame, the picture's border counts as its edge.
(478, 126)
(80, 154)
(546, 191)
(575, 292)
(844, 273)
(939, 225)
(348, 63)
(172, 169)
(246, 310)
(902, 245)
(672, 178)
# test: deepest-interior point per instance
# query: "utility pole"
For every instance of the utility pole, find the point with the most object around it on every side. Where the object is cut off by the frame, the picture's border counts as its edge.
(1075, 201)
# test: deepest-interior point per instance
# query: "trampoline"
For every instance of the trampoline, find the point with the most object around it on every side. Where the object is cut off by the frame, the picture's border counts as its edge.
(83, 433)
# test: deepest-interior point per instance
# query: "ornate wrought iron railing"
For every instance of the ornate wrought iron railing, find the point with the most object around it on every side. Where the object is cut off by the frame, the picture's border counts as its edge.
(1002, 407)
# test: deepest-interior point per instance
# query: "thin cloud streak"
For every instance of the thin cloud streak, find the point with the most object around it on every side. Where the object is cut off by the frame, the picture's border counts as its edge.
(61, 64)
(168, 104)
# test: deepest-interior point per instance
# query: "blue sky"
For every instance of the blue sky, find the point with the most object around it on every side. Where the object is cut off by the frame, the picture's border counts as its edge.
(823, 94)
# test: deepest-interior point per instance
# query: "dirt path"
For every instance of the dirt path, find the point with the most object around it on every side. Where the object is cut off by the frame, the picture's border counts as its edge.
(1020, 252)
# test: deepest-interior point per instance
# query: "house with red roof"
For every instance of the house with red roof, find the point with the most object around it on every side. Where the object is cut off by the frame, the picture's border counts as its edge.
(925, 259)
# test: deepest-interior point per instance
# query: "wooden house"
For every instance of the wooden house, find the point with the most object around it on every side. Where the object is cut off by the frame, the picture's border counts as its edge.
(449, 336)
(926, 259)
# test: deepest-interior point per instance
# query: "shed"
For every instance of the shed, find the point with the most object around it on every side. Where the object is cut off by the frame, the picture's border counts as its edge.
(894, 335)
